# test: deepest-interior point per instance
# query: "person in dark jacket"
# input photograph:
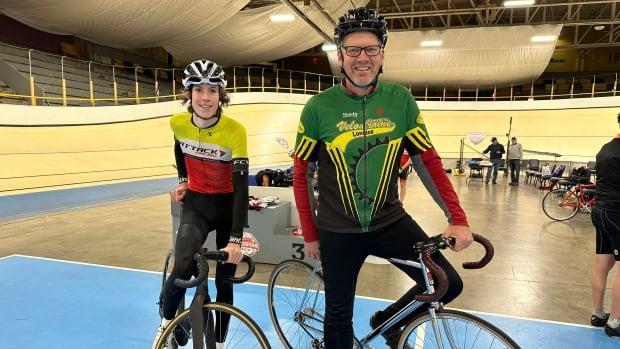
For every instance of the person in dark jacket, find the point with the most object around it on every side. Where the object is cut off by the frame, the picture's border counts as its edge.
(606, 219)
(495, 151)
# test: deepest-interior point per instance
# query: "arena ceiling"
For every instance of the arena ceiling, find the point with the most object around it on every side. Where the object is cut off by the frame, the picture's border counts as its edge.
(240, 32)
(586, 23)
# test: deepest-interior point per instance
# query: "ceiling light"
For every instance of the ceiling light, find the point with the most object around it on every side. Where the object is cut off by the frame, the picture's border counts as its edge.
(598, 28)
(543, 38)
(282, 18)
(512, 3)
(431, 43)
(329, 47)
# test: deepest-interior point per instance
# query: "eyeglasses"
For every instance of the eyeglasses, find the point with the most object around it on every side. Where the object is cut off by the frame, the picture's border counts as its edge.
(354, 51)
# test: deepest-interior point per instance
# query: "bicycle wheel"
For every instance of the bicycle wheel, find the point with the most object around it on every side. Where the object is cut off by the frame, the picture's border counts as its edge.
(297, 304)
(457, 329)
(560, 204)
(243, 332)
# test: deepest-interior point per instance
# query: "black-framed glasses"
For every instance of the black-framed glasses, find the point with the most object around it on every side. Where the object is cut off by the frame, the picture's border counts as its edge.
(354, 51)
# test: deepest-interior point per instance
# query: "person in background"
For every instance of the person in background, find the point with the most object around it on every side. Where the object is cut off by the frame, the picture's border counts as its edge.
(404, 171)
(264, 178)
(495, 151)
(606, 220)
(212, 163)
(359, 213)
(515, 154)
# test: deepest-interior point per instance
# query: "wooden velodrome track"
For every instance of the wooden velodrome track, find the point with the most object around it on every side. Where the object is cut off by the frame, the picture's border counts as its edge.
(47, 148)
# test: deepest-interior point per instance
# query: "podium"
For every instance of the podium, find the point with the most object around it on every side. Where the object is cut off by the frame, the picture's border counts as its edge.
(271, 226)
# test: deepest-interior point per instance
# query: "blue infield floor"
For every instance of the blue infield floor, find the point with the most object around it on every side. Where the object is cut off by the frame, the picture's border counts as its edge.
(57, 304)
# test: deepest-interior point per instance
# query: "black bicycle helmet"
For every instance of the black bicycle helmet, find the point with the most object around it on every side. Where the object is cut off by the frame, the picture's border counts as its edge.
(361, 19)
(204, 72)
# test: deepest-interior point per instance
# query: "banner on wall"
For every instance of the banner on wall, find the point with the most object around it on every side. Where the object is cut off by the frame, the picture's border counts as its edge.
(476, 137)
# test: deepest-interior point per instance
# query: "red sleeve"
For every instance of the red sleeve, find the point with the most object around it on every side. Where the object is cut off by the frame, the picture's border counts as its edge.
(302, 199)
(433, 164)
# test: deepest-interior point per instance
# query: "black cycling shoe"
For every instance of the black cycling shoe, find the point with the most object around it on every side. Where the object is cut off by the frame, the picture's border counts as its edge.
(391, 336)
(599, 322)
(182, 332)
(612, 332)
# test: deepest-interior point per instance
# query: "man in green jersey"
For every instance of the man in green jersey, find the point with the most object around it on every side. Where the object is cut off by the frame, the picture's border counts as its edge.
(357, 131)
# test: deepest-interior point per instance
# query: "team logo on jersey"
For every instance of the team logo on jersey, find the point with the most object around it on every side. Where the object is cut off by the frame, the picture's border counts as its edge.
(204, 150)
(420, 119)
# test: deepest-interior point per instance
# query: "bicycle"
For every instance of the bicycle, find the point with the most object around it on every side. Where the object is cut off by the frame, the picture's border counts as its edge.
(297, 304)
(241, 332)
(562, 204)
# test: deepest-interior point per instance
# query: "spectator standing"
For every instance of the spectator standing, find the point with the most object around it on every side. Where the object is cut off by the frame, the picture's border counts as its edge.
(606, 220)
(515, 154)
(495, 151)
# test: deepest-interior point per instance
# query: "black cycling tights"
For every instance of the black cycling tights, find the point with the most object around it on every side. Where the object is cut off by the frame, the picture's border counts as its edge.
(189, 241)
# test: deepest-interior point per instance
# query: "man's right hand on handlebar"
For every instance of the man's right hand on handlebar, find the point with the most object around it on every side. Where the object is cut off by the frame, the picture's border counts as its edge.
(461, 234)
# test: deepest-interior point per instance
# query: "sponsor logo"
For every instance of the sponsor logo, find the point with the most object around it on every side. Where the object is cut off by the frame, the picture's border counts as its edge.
(349, 115)
(249, 244)
(206, 151)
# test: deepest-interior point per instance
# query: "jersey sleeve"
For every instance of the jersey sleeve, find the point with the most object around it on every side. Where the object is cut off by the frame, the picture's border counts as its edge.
(417, 141)
(305, 148)
(240, 172)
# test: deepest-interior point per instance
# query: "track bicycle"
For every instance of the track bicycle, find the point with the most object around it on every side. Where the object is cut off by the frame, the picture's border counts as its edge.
(562, 204)
(241, 332)
(297, 305)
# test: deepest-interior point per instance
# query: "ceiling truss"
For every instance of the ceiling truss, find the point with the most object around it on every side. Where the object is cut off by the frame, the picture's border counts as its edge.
(578, 17)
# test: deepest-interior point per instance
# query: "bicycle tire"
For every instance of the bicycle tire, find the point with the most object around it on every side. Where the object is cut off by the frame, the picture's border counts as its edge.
(243, 332)
(459, 330)
(560, 204)
(299, 326)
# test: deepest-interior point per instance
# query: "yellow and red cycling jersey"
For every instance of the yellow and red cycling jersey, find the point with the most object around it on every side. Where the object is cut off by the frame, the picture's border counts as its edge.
(209, 154)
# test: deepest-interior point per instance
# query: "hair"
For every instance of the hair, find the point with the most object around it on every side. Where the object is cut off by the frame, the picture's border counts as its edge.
(493, 139)
(513, 138)
(224, 98)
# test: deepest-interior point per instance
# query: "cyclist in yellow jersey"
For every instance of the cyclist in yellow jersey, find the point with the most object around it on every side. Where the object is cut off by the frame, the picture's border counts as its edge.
(212, 163)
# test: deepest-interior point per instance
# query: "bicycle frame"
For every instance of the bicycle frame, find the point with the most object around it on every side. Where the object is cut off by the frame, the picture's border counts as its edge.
(412, 306)
(197, 316)
(431, 296)
(579, 192)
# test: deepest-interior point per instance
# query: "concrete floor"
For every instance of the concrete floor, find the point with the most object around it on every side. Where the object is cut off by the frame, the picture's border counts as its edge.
(540, 270)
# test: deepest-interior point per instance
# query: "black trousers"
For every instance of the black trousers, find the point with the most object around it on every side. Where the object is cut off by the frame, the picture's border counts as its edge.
(343, 254)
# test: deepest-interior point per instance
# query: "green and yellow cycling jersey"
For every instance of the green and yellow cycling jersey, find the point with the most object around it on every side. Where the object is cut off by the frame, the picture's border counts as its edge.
(358, 142)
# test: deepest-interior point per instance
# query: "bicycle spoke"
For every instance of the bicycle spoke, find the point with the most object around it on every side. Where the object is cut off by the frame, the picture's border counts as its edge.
(242, 330)
(560, 204)
(296, 307)
(455, 330)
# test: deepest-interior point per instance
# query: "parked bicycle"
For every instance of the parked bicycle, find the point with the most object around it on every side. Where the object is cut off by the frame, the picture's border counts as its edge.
(562, 204)
(297, 306)
(203, 314)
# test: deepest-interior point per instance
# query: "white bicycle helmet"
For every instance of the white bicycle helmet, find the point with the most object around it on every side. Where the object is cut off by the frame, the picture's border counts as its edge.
(204, 72)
